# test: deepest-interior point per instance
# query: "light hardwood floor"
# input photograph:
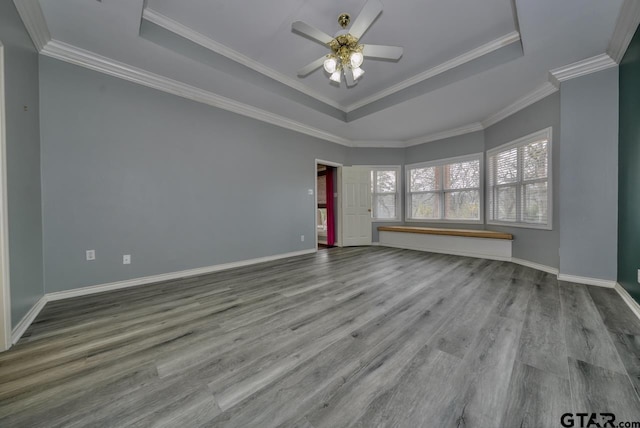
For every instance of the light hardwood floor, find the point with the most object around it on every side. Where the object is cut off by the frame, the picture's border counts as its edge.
(361, 337)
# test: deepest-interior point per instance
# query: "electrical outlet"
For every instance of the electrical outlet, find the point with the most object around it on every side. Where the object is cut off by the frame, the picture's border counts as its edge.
(91, 254)
(126, 259)
(310, 192)
(301, 238)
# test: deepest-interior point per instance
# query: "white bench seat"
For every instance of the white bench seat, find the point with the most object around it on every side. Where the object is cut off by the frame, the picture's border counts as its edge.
(486, 244)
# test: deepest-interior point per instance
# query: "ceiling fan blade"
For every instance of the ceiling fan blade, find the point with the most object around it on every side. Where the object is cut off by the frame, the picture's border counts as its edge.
(311, 32)
(369, 13)
(307, 69)
(382, 52)
(348, 74)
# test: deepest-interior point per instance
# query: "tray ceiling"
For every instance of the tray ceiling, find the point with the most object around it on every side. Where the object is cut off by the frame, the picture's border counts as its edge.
(463, 60)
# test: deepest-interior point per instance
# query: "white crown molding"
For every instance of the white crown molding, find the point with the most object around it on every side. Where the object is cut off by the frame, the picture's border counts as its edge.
(626, 26)
(27, 319)
(587, 281)
(378, 143)
(581, 68)
(630, 301)
(31, 14)
(202, 40)
(439, 69)
(539, 93)
(33, 19)
(92, 61)
(466, 129)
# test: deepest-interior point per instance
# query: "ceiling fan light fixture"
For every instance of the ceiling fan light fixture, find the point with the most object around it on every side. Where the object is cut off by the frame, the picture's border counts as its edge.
(346, 54)
(330, 65)
(357, 73)
(356, 59)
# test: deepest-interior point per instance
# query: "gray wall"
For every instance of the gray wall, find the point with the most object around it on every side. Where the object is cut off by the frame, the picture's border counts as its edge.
(23, 163)
(538, 246)
(448, 148)
(589, 176)
(176, 184)
(179, 185)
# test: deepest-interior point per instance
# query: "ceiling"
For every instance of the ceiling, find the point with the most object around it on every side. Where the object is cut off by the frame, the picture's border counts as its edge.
(463, 60)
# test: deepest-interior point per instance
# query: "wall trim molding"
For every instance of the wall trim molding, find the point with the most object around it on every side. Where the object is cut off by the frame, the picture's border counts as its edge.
(533, 265)
(587, 281)
(626, 26)
(630, 301)
(33, 19)
(461, 130)
(35, 23)
(74, 55)
(378, 143)
(100, 288)
(581, 68)
(536, 95)
(28, 318)
(5, 278)
(200, 39)
(26, 321)
(485, 49)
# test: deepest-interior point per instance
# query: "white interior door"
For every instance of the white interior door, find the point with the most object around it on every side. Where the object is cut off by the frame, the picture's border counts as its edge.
(356, 206)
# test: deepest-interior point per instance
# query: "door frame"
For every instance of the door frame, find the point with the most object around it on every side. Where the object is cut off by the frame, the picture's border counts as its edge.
(5, 294)
(337, 188)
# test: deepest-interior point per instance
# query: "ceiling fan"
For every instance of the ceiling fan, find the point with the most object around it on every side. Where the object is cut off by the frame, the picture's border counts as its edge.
(347, 54)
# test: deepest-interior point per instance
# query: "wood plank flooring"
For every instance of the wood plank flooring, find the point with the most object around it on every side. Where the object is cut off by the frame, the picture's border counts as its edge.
(364, 337)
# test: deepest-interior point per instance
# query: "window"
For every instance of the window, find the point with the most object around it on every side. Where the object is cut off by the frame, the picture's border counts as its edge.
(447, 190)
(385, 193)
(519, 182)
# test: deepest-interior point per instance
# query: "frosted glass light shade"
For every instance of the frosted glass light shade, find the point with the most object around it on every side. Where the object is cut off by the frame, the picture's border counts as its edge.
(330, 65)
(356, 59)
(357, 73)
(335, 76)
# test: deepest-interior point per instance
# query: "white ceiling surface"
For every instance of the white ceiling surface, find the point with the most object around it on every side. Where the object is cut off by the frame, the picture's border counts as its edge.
(554, 34)
(263, 33)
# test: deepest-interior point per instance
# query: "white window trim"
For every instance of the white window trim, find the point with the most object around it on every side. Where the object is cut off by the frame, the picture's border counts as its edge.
(547, 134)
(398, 170)
(440, 162)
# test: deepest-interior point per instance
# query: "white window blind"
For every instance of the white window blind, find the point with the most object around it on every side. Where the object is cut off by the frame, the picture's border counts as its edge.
(519, 177)
(385, 193)
(445, 190)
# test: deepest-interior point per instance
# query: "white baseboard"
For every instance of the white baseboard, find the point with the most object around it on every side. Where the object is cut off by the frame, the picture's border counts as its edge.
(630, 301)
(587, 281)
(26, 321)
(533, 265)
(84, 291)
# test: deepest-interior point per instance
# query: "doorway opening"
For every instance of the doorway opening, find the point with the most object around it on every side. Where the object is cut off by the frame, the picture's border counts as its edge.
(327, 204)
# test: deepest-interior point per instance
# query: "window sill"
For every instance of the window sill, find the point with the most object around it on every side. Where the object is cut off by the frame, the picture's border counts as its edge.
(411, 220)
(522, 225)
